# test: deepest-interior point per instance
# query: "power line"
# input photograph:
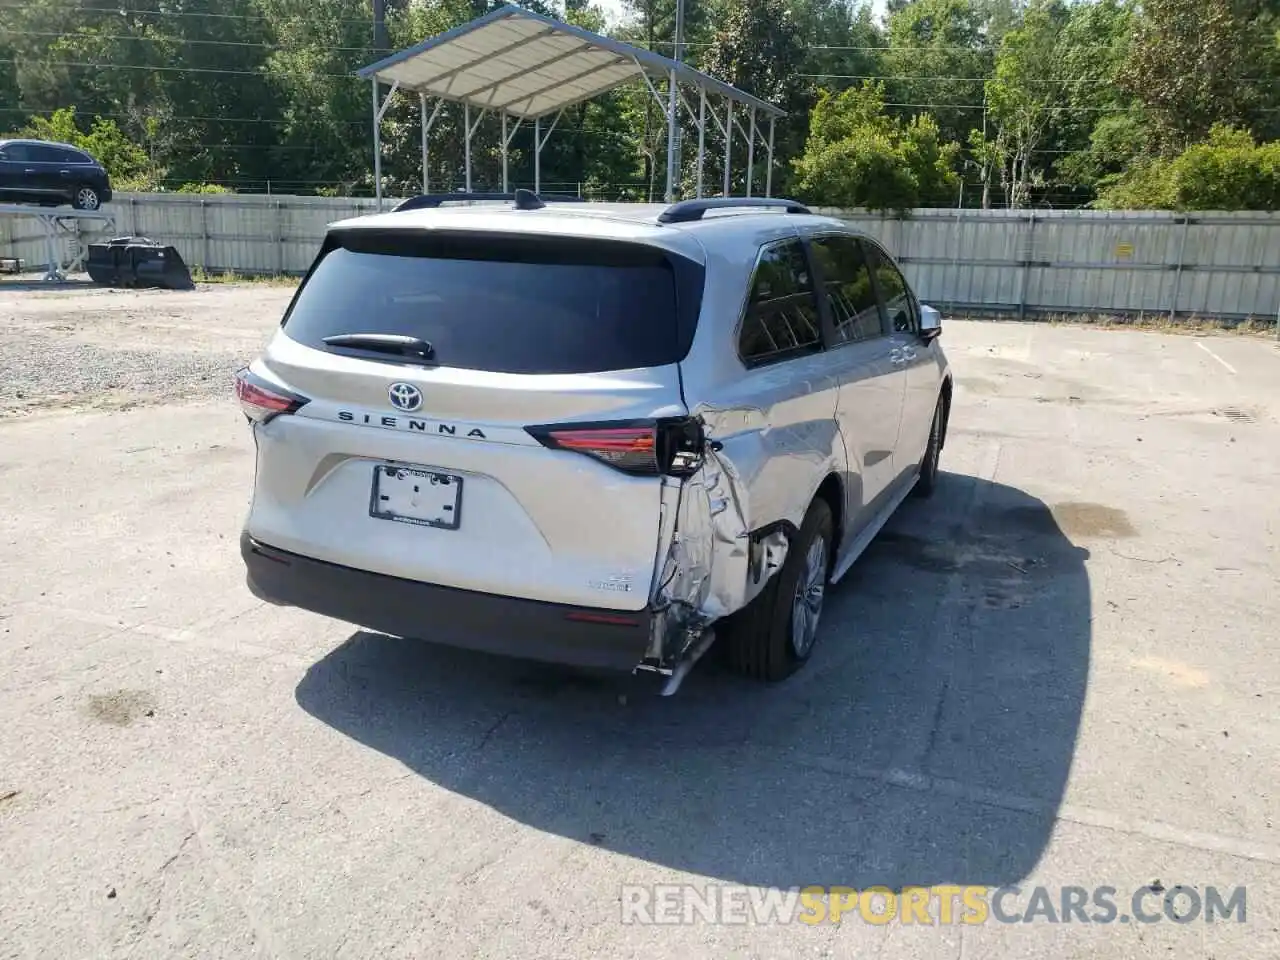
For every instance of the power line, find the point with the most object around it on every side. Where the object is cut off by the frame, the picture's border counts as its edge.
(116, 11)
(991, 79)
(367, 51)
(263, 74)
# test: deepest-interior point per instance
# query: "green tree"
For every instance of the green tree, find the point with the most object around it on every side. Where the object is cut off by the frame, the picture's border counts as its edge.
(858, 156)
(1100, 131)
(938, 59)
(760, 50)
(1228, 171)
(1025, 93)
(1194, 63)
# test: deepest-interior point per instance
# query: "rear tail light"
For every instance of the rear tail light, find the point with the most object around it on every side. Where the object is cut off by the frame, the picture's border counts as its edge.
(261, 400)
(670, 446)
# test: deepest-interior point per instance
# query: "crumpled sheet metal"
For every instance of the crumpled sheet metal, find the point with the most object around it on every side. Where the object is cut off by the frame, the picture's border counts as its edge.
(708, 571)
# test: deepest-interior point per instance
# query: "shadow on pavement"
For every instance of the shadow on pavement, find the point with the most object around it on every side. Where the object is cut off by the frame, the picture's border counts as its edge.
(928, 741)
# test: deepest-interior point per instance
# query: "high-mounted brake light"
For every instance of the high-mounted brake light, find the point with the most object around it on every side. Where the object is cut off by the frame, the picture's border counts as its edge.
(648, 448)
(261, 401)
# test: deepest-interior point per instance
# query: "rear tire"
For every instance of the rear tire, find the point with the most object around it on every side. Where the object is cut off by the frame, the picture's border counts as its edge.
(928, 481)
(86, 198)
(772, 636)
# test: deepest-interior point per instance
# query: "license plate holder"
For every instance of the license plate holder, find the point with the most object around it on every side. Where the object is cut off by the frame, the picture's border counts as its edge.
(417, 495)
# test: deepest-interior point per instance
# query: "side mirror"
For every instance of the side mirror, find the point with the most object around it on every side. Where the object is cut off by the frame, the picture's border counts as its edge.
(930, 323)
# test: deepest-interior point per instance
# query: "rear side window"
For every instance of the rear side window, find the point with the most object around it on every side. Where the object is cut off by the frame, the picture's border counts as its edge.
(782, 311)
(847, 282)
(502, 303)
(66, 155)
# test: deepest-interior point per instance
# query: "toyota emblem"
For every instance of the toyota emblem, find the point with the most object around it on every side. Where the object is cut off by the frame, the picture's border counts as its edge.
(404, 396)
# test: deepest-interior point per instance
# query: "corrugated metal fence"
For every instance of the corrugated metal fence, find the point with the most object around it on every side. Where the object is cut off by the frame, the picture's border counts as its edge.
(1019, 262)
(1086, 261)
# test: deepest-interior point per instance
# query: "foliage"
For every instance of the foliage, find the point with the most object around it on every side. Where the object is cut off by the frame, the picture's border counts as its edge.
(937, 57)
(204, 188)
(1195, 63)
(857, 156)
(761, 51)
(1229, 171)
(1024, 94)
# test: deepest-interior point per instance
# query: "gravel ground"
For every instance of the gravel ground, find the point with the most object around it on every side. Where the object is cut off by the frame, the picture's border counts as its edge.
(81, 347)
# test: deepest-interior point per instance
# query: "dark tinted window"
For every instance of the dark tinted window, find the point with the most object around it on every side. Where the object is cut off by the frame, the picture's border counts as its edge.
(17, 152)
(512, 305)
(43, 153)
(847, 282)
(67, 155)
(895, 295)
(782, 312)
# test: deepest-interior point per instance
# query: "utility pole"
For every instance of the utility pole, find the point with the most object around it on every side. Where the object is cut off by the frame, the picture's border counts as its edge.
(673, 125)
(380, 43)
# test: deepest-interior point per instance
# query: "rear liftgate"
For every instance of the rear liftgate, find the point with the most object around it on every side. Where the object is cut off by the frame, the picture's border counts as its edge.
(711, 564)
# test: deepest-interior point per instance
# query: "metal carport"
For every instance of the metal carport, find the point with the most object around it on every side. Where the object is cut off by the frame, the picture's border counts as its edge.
(527, 67)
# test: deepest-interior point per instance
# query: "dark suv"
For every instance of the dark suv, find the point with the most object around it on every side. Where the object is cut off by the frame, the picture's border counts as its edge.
(36, 171)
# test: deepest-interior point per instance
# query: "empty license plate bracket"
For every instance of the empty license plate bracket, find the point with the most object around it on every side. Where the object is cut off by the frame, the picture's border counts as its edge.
(416, 495)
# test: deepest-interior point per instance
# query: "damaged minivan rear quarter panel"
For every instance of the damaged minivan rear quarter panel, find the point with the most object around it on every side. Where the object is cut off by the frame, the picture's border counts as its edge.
(772, 438)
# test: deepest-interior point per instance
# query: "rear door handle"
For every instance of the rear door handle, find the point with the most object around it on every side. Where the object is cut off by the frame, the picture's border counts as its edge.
(28, 170)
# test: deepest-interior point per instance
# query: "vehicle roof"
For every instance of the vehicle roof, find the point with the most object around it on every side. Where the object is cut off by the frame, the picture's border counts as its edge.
(43, 143)
(635, 222)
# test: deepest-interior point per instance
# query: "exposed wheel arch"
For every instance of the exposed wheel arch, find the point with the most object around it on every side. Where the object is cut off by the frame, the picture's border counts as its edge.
(832, 491)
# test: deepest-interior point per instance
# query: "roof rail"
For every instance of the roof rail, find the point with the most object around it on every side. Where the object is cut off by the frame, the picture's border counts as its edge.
(523, 199)
(688, 210)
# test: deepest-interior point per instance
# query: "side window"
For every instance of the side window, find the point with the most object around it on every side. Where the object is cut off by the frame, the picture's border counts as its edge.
(66, 155)
(895, 296)
(847, 282)
(782, 311)
(39, 153)
(17, 152)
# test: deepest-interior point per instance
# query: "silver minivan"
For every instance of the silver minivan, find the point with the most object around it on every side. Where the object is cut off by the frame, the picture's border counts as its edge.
(593, 434)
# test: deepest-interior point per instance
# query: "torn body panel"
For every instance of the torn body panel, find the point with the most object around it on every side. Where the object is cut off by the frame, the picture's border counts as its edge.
(712, 564)
(727, 527)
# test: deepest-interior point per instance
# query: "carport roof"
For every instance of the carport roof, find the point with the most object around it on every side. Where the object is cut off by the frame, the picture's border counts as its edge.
(529, 65)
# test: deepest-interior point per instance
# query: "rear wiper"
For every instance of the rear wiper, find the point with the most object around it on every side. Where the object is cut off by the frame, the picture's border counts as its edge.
(396, 343)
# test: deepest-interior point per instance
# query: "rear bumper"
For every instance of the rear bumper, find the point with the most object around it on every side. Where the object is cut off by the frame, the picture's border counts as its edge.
(531, 629)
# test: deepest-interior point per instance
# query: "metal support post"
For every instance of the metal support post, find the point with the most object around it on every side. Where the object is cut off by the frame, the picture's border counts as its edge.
(427, 123)
(1026, 266)
(377, 146)
(504, 152)
(702, 135)
(768, 173)
(671, 137)
(1177, 276)
(728, 145)
(751, 151)
(426, 129)
(466, 143)
(537, 154)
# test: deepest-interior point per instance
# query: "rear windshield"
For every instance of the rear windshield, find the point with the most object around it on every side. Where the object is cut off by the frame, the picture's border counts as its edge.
(503, 304)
